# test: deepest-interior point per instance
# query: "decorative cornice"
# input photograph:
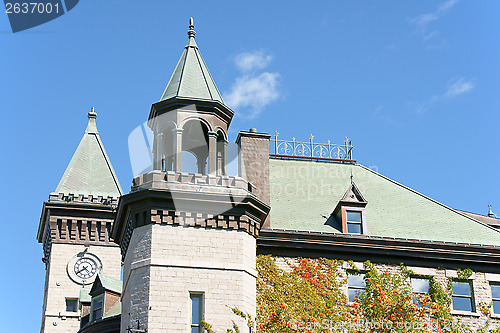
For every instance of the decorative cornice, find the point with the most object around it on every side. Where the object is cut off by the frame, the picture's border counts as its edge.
(76, 222)
(379, 249)
(81, 198)
(190, 209)
(202, 105)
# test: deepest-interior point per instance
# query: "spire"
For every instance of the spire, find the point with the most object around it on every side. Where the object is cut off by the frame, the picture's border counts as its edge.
(90, 171)
(191, 78)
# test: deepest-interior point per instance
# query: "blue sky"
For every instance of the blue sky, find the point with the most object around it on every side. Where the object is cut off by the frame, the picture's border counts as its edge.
(414, 85)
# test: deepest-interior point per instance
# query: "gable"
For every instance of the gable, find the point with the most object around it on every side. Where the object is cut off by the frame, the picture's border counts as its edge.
(97, 287)
(353, 195)
(305, 193)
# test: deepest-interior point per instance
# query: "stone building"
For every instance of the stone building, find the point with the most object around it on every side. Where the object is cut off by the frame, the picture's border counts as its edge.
(180, 247)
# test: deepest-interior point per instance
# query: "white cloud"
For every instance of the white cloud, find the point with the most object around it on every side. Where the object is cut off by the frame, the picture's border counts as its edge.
(458, 87)
(455, 88)
(249, 61)
(254, 92)
(423, 20)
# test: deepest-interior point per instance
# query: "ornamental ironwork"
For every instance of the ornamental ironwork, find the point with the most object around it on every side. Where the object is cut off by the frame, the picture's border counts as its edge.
(311, 150)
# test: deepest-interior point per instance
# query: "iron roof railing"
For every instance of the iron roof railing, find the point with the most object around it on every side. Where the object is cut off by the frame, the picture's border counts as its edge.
(311, 150)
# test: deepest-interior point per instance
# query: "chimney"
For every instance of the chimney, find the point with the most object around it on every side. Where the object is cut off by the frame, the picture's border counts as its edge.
(253, 163)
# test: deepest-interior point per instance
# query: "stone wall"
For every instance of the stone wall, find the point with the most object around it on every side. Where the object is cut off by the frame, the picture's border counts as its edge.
(165, 263)
(59, 286)
(480, 284)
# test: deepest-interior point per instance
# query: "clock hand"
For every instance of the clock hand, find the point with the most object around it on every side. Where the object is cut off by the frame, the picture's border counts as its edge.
(83, 269)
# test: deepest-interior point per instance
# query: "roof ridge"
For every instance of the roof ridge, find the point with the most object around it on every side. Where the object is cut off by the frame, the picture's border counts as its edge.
(198, 56)
(108, 162)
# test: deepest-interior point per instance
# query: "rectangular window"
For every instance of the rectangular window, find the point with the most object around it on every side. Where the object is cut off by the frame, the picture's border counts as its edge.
(355, 285)
(420, 287)
(196, 311)
(462, 296)
(495, 297)
(354, 225)
(71, 305)
(97, 307)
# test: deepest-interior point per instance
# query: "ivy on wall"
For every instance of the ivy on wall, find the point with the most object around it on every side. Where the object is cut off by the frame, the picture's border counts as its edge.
(309, 295)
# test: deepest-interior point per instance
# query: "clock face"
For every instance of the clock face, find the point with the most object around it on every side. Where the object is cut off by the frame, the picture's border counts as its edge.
(85, 268)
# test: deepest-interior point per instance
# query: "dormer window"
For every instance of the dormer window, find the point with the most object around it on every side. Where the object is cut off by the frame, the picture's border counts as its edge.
(354, 219)
(350, 212)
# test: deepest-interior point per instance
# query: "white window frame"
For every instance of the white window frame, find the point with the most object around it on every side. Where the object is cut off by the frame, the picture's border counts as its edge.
(356, 288)
(470, 297)
(493, 299)
(417, 293)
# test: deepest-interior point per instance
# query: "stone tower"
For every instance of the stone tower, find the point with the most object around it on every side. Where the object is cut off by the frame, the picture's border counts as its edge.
(188, 240)
(75, 231)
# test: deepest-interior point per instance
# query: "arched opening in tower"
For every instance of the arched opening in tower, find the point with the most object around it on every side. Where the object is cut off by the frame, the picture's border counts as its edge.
(167, 149)
(195, 141)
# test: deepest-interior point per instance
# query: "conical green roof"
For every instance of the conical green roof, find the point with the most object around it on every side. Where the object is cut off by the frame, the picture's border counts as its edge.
(191, 78)
(90, 170)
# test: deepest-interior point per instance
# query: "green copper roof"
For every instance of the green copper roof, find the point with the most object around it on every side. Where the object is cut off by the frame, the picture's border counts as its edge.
(191, 78)
(84, 293)
(90, 171)
(107, 283)
(305, 193)
(114, 311)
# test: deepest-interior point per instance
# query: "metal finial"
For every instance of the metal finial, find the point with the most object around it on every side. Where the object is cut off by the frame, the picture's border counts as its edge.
(490, 212)
(191, 31)
(92, 113)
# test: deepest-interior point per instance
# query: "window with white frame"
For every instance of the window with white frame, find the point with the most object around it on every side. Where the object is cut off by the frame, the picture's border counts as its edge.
(420, 288)
(196, 312)
(354, 222)
(355, 285)
(495, 297)
(462, 297)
